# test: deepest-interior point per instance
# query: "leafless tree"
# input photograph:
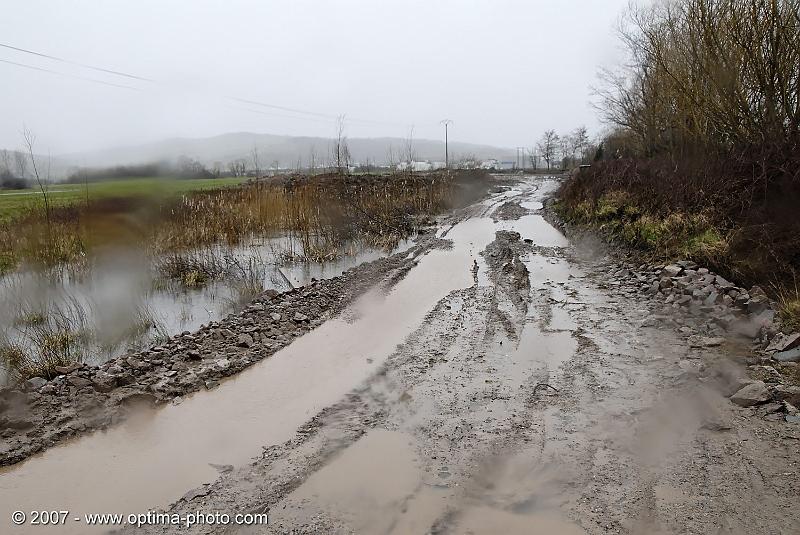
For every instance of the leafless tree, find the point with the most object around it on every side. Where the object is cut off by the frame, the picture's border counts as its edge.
(312, 160)
(254, 160)
(580, 143)
(548, 147)
(237, 167)
(533, 156)
(21, 162)
(30, 142)
(340, 151)
(409, 153)
(5, 162)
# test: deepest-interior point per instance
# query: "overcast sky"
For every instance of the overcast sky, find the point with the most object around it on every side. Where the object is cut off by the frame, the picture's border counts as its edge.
(502, 70)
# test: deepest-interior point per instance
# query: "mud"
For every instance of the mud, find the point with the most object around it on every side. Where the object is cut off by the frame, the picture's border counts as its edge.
(491, 383)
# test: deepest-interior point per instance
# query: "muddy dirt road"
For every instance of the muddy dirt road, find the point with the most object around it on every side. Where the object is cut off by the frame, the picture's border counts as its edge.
(495, 383)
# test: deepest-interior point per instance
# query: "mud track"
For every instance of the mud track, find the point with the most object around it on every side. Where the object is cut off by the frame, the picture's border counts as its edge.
(490, 382)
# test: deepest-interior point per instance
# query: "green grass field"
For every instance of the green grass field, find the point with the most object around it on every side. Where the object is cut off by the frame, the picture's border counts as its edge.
(14, 202)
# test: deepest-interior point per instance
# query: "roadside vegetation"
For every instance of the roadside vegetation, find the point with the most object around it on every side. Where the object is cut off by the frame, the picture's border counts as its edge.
(703, 158)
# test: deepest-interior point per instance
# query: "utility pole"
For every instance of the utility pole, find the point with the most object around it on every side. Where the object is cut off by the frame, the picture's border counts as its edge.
(446, 123)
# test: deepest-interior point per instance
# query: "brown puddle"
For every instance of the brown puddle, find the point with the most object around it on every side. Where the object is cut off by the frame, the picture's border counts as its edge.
(374, 486)
(513, 495)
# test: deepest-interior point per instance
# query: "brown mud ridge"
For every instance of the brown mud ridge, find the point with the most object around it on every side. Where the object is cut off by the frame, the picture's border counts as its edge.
(87, 398)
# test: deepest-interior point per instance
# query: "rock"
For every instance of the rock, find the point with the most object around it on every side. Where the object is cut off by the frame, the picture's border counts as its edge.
(752, 394)
(66, 370)
(193, 354)
(723, 284)
(104, 382)
(706, 341)
(195, 493)
(298, 317)
(784, 343)
(275, 316)
(757, 305)
(788, 394)
(793, 418)
(756, 292)
(271, 293)
(792, 355)
(138, 364)
(78, 382)
(245, 340)
(672, 270)
(35, 383)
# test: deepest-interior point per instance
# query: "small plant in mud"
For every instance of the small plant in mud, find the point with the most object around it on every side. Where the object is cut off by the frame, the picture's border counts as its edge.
(789, 301)
(48, 351)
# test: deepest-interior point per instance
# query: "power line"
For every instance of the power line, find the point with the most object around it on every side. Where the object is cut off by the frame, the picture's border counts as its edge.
(329, 117)
(42, 69)
(84, 65)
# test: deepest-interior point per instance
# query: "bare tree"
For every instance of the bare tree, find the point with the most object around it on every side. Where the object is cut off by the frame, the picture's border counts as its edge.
(580, 143)
(5, 163)
(237, 167)
(30, 143)
(312, 160)
(254, 159)
(548, 147)
(533, 156)
(409, 153)
(21, 162)
(341, 152)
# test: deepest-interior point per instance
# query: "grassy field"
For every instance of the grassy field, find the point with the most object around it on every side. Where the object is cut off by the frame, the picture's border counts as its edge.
(14, 202)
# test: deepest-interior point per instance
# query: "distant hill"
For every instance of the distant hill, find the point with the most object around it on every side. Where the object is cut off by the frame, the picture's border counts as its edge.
(284, 149)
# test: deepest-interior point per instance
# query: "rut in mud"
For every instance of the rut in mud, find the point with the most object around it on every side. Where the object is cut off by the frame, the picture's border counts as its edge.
(489, 385)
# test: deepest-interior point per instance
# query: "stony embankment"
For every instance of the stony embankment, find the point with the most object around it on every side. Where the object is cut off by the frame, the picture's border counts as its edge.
(712, 311)
(41, 413)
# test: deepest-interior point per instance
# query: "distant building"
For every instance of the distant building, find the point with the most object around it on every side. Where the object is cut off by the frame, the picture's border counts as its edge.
(415, 166)
(508, 165)
(490, 164)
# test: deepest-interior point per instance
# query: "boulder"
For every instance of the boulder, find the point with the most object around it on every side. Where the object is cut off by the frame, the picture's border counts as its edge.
(104, 382)
(753, 394)
(78, 382)
(65, 370)
(245, 340)
(792, 355)
(35, 383)
(784, 343)
(672, 270)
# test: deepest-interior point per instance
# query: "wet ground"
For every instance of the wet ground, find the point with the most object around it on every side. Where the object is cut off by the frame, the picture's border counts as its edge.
(493, 387)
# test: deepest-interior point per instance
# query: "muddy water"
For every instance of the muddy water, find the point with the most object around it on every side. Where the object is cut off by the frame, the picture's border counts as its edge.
(156, 457)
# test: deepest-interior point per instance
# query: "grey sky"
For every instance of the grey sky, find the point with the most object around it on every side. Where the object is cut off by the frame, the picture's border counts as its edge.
(502, 70)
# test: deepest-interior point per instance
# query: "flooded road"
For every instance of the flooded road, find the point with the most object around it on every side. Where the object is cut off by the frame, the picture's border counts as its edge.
(494, 387)
(159, 455)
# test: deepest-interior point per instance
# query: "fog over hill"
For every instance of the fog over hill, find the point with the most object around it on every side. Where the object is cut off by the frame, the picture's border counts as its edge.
(286, 150)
